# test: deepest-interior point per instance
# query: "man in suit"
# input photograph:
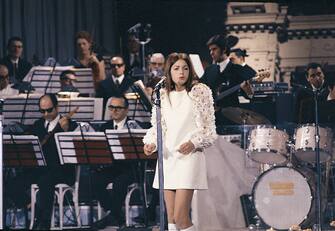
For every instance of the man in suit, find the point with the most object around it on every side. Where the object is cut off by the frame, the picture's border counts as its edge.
(45, 128)
(121, 174)
(223, 75)
(18, 67)
(67, 79)
(117, 84)
(237, 56)
(5, 87)
(304, 95)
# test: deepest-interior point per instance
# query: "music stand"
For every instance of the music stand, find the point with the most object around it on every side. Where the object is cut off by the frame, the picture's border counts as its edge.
(22, 151)
(26, 110)
(128, 145)
(84, 148)
(40, 79)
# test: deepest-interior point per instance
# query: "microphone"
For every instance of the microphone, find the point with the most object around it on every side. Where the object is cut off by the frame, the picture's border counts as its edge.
(134, 28)
(161, 83)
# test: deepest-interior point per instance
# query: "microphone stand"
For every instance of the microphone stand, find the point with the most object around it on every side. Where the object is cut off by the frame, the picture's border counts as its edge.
(160, 158)
(318, 225)
(318, 213)
(50, 77)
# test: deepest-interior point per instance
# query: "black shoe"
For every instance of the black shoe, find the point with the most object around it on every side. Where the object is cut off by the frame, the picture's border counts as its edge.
(108, 220)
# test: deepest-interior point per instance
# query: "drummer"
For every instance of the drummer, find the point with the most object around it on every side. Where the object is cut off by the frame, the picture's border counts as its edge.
(304, 99)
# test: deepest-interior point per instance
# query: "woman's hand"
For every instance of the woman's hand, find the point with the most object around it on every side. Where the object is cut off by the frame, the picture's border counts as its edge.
(186, 148)
(149, 149)
(93, 60)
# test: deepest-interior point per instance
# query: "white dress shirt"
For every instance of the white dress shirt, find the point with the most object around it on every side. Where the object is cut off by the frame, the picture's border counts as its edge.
(52, 124)
(223, 64)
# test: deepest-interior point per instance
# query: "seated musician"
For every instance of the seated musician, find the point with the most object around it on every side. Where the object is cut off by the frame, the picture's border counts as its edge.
(326, 107)
(117, 84)
(5, 87)
(120, 174)
(45, 128)
(67, 79)
(304, 97)
(17, 189)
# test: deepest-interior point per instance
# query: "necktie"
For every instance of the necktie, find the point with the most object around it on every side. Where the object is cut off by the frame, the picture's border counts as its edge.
(117, 83)
(14, 69)
(47, 127)
(115, 126)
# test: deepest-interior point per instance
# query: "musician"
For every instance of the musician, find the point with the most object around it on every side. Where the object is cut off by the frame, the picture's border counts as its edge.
(223, 74)
(237, 56)
(45, 128)
(5, 87)
(67, 79)
(326, 107)
(118, 83)
(156, 72)
(87, 58)
(120, 174)
(304, 96)
(17, 66)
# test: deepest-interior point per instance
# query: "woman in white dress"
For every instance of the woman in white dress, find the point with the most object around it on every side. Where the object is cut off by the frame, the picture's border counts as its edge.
(188, 126)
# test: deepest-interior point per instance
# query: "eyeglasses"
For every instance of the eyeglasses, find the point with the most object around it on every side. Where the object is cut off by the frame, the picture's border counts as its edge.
(159, 64)
(117, 65)
(49, 110)
(18, 46)
(4, 76)
(111, 107)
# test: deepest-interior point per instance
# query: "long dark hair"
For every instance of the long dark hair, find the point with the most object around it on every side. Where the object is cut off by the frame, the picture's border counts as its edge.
(172, 59)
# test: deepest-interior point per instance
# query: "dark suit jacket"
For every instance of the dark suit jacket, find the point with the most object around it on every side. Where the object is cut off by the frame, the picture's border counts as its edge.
(22, 69)
(107, 88)
(304, 103)
(326, 111)
(50, 148)
(232, 75)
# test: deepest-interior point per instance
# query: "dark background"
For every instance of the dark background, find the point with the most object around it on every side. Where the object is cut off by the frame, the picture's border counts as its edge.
(48, 27)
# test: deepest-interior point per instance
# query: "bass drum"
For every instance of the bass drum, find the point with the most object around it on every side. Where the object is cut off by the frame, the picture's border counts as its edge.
(283, 197)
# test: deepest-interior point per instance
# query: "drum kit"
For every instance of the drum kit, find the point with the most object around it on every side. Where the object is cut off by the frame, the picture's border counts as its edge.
(283, 195)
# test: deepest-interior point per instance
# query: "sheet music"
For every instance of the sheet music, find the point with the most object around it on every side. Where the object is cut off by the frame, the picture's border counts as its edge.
(39, 76)
(120, 148)
(197, 65)
(26, 139)
(89, 108)
(65, 142)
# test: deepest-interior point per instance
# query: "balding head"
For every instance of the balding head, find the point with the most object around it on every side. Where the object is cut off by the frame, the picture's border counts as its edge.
(3, 71)
(157, 61)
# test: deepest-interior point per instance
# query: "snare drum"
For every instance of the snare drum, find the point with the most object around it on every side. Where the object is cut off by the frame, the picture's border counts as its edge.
(305, 143)
(283, 197)
(267, 145)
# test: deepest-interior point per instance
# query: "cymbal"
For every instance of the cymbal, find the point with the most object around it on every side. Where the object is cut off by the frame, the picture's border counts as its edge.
(244, 116)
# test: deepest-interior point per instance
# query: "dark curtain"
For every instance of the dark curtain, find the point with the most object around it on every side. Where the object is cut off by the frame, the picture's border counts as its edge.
(48, 27)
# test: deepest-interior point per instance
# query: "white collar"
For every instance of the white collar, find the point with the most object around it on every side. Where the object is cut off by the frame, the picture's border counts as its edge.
(223, 64)
(120, 78)
(52, 124)
(15, 61)
(120, 125)
(314, 88)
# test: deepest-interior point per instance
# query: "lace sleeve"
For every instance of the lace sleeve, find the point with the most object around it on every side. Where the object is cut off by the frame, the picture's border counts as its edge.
(151, 135)
(203, 108)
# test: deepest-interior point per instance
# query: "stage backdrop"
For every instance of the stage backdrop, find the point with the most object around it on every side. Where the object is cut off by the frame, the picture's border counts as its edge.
(48, 27)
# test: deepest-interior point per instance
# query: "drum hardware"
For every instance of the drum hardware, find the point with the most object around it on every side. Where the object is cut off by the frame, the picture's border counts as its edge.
(244, 116)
